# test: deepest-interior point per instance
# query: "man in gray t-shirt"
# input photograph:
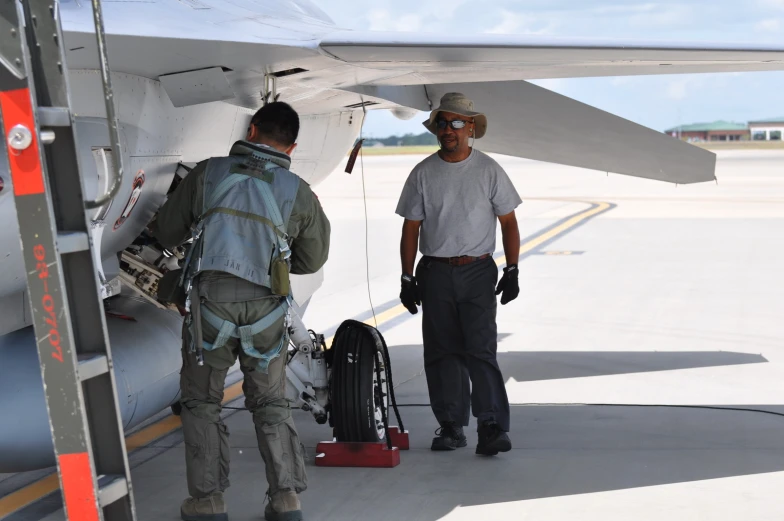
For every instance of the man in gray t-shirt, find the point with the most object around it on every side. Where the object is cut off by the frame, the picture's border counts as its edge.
(461, 202)
(453, 200)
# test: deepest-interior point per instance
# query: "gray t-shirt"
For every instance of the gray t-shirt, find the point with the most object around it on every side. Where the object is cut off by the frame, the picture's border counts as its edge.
(457, 204)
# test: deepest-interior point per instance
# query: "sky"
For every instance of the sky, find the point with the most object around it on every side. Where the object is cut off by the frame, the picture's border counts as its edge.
(658, 102)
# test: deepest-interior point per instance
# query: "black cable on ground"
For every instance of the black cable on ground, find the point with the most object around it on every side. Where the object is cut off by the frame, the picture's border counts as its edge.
(390, 386)
(674, 406)
(533, 404)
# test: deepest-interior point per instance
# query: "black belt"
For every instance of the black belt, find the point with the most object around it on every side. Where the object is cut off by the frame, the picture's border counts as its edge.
(459, 261)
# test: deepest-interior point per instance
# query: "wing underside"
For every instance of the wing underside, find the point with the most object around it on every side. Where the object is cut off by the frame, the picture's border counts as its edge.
(430, 59)
(343, 71)
(534, 123)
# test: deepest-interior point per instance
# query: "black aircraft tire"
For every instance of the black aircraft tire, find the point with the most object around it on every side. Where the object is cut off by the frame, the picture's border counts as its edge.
(352, 392)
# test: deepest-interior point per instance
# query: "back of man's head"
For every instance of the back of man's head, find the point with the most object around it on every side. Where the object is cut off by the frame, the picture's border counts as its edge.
(276, 124)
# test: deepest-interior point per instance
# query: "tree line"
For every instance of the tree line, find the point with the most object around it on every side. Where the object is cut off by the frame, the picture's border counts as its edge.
(407, 140)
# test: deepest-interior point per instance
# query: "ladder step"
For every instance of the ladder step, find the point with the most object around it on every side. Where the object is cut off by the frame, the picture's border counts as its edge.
(71, 242)
(92, 365)
(54, 117)
(111, 487)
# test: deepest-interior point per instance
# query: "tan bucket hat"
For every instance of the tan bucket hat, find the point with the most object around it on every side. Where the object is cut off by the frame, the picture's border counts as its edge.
(457, 103)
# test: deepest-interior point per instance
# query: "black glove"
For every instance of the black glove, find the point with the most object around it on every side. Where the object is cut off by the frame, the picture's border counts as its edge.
(508, 284)
(409, 294)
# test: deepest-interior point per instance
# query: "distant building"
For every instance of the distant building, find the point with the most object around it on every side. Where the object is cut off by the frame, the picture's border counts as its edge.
(716, 131)
(767, 129)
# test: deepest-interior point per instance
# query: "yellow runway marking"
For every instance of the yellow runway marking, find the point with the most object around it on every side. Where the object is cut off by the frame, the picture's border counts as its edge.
(29, 494)
(549, 234)
(35, 491)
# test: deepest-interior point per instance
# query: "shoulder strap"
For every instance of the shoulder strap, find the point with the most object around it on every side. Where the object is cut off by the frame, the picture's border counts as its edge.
(223, 187)
(239, 172)
(272, 205)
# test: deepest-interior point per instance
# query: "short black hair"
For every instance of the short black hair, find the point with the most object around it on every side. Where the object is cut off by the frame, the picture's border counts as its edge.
(278, 122)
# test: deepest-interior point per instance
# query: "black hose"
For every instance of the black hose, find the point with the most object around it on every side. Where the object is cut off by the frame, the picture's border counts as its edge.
(390, 386)
(673, 406)
(384, 417)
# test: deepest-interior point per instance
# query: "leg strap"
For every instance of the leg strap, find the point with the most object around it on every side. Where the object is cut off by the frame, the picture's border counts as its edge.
(227, 329)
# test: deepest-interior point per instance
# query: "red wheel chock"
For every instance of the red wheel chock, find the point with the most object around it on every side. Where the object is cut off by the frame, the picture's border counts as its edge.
(358, 454)
(399, 439)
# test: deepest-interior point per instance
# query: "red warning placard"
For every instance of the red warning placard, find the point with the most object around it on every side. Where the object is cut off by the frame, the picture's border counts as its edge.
(78, 491)
(26, 172)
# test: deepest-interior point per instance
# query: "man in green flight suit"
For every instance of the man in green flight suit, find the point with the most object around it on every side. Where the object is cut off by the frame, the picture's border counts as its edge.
(253, 223)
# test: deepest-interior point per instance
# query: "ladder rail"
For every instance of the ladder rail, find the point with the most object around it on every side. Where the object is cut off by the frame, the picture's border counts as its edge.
(108, 94)
(71, 333)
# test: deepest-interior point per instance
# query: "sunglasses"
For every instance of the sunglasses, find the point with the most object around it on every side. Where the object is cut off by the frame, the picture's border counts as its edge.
(455, 124)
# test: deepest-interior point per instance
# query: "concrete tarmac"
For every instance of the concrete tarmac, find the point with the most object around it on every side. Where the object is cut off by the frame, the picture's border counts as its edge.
(640, 332)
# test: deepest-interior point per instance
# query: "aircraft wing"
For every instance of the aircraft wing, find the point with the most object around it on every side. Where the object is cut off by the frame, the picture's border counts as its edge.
(217, 52)
(525, 120)
(532, 122)
(438, 59)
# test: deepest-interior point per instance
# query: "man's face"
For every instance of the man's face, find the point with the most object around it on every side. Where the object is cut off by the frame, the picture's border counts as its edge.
(452, 139)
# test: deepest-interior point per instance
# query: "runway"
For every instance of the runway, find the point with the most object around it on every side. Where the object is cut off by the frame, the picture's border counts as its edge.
(640, 303)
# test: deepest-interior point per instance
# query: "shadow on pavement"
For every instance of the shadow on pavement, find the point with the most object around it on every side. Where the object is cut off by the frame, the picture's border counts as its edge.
(530, 366)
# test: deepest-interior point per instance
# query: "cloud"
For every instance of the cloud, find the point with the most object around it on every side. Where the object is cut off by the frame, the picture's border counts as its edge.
(658, 15)
(714, 20)
(521, 23)
(676, 90)
(624, 9)
(682, 87)
(409, 16)
(441, 9)
(382, 20)
(772, 25)
(554, 84)
(771, 4)
(622, 80)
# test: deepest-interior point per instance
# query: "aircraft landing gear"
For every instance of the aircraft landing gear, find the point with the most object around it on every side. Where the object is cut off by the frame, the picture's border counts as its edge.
(360, 384)
(358, 401)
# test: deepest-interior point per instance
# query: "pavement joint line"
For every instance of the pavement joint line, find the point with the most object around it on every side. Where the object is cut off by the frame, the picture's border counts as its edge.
(41, 488)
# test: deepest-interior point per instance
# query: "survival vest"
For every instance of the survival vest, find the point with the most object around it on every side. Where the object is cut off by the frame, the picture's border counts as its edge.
(247, 204)
(246, 208)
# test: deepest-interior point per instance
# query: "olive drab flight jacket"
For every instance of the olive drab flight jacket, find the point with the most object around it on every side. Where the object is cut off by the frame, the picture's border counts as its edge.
(307, 227)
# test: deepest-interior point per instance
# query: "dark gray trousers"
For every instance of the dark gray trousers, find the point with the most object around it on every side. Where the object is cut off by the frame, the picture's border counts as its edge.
(460, 340)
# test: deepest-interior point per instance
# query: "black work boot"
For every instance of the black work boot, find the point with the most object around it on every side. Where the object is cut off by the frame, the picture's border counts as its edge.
(449, 437)
(492, 439)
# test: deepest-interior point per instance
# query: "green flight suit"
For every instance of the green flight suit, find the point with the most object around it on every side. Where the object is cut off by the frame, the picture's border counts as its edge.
(241, 302)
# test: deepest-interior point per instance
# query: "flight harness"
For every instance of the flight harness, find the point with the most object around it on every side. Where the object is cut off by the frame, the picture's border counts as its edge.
(253, 169)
